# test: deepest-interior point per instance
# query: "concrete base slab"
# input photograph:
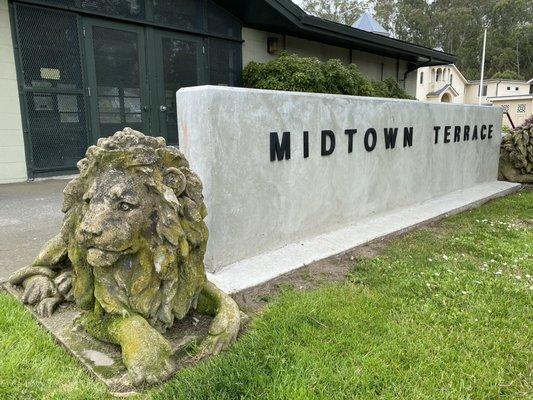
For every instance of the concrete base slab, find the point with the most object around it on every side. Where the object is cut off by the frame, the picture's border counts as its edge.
(103, 360)
(259, 269)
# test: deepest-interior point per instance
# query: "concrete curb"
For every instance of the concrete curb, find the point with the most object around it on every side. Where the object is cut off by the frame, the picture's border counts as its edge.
(264, 267)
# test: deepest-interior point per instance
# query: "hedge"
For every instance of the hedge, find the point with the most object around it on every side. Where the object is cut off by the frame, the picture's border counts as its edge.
(308, 74)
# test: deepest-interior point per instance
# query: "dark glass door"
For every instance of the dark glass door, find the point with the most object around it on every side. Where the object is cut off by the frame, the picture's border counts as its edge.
(117, 77)
(179, 63)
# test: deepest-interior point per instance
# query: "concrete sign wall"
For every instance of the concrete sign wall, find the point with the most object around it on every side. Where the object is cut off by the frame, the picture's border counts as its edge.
(279, 167)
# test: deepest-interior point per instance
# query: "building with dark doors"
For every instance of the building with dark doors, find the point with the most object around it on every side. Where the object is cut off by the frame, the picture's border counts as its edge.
(74, 70)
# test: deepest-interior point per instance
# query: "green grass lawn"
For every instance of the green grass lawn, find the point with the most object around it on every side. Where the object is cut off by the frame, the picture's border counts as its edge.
(443, 313)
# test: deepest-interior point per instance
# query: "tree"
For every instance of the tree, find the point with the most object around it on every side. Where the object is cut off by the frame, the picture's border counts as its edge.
(342, 11)
(455, 25)
(507, 75)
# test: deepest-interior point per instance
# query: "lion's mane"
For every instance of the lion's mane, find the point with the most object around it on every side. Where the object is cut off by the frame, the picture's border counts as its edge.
(179, 241)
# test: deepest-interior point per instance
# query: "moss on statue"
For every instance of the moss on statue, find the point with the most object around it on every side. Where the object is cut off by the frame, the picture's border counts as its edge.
(130, 252)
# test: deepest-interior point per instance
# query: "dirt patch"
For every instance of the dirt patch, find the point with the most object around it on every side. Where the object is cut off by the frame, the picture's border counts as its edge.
(333, 269)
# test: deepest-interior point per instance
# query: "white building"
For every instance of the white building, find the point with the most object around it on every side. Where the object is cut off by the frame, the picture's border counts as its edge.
(445, 83)
(441, 83)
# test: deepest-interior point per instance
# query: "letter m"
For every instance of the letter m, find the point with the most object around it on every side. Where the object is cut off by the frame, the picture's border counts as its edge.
(280, 150)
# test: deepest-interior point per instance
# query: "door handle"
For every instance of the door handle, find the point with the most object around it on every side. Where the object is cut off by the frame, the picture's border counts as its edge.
(162, 108)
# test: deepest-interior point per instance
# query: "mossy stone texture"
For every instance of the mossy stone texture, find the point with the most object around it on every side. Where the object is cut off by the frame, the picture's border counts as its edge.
(130, 254)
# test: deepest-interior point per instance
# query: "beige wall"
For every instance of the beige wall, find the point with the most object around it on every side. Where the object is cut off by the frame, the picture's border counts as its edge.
(371, 65)
(410, 80)
(430, 84)
(495, 87)
(471, 94)
(255, 49)
(12, 158)
(512, 105)
(308, 48)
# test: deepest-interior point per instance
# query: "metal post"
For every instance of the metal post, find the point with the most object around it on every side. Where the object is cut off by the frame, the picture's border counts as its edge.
(482, 68)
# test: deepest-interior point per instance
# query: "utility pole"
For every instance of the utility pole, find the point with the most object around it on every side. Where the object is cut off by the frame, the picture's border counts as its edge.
(482, 68)
(517, 57)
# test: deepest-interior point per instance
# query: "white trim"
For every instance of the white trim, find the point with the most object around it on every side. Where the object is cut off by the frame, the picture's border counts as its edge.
(506, 98)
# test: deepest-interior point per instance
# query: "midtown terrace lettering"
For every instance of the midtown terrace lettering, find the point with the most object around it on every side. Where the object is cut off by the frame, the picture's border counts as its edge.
(389, 138)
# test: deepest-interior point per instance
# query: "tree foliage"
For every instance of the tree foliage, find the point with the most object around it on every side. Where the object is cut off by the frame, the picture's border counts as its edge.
(342, 11)
(507, 74)
(455, 25)
(308, 74)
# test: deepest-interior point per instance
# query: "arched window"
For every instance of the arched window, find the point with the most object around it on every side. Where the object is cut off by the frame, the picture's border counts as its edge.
(446, 98)
(421, 77)
(439, 75)
(444, 74)
(432, 74)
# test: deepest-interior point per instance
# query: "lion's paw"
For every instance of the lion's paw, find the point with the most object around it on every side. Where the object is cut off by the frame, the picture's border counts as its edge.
(46, 306)
(152, 373)
(223, 331)
(146, 353)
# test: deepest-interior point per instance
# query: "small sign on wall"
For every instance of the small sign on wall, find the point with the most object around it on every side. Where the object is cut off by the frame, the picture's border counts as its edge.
(50, 73)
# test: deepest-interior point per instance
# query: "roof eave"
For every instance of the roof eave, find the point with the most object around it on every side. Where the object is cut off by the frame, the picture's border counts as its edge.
(388, 44)
(298, 23)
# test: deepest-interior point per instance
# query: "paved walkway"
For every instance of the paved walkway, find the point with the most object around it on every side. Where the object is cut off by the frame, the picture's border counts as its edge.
(30, 214)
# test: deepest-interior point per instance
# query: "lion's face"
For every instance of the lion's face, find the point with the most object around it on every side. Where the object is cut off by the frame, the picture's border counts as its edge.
(117, 211)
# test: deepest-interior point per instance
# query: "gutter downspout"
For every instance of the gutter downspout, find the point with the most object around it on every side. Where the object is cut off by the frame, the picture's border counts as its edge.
(414, 68)
(397, 68)
(498, 84)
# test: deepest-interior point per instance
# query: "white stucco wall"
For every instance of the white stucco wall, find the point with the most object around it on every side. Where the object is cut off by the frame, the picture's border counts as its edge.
(12, 157)
(256, 205)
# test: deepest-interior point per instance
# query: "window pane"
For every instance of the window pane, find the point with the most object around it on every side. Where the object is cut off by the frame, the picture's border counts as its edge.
(108, 104)
(122, 8)
(58, 136)
(225, 62)
(221, 22)
(49, 47)
(67, 103)
(180, 13)
(49, 51)
(116, 58)
(132, 104)
(133, 118)
(180, 68)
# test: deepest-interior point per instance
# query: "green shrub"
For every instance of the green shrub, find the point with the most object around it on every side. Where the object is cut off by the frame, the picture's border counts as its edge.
(390, 88)
(308, 74)
(287, 72)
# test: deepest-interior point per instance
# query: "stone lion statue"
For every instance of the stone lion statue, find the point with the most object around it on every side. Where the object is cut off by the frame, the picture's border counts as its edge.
(516, 154)
(130, 253)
